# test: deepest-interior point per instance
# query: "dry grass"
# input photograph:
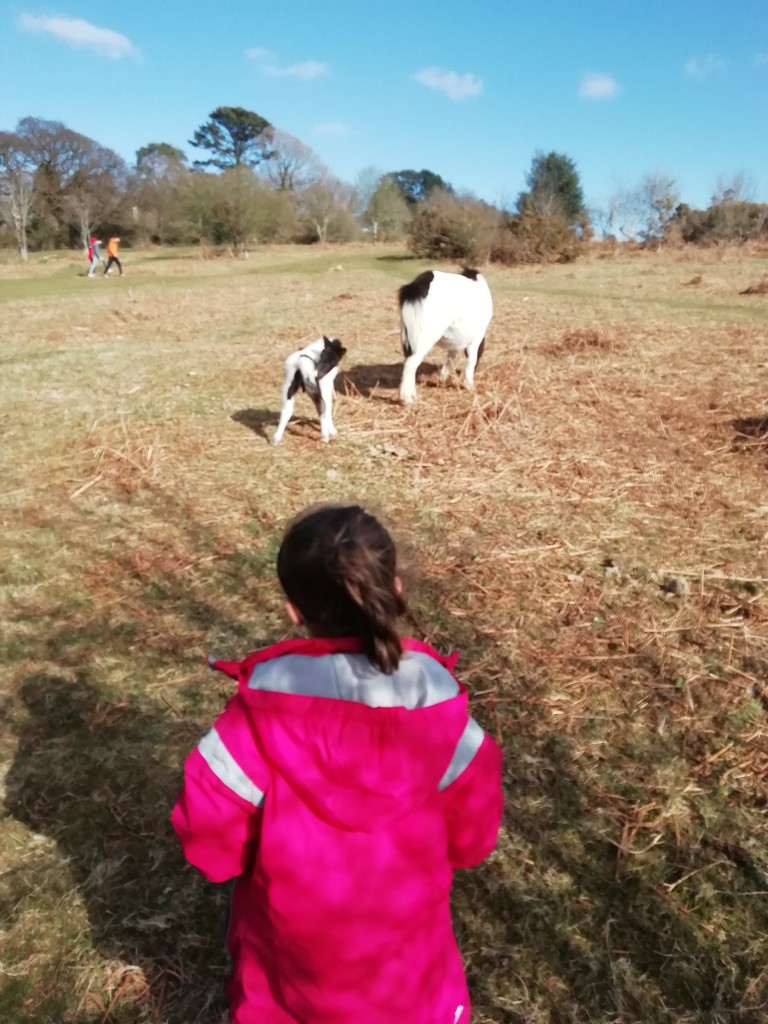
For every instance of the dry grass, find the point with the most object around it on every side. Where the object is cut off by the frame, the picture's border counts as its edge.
(761, 288)
(582, 339)
(590, 528)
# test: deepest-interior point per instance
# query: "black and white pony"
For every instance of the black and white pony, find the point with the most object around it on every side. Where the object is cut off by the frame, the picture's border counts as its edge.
(312, 369)
(437, 306)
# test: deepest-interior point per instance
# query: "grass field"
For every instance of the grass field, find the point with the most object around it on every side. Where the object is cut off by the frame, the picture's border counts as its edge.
(589, 529)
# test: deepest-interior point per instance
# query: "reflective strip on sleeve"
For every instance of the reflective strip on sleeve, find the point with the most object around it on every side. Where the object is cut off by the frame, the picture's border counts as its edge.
(227, 770)
(468, 745)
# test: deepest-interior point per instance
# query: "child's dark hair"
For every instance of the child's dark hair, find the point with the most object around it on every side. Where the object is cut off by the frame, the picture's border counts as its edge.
(337, 565)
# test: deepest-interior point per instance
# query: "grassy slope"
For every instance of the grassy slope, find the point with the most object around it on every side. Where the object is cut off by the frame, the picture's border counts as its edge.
(613, 444)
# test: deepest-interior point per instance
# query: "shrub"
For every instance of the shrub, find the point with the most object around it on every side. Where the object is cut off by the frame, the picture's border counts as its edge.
(729, 220)
(536, 238)
(453, 228)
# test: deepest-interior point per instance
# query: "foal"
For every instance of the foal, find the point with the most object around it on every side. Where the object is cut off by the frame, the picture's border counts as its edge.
(312, 369)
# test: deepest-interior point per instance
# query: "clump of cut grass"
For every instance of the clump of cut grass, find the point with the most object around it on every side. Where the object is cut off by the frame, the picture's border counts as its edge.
(123, 462)
(582, 339)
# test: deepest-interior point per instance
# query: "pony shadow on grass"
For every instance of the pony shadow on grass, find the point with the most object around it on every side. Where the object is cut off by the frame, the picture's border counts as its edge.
(380, 381)
(397, 258)
(368, 379)
(259, 420)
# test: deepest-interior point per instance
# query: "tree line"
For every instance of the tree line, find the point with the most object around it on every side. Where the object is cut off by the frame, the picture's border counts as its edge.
(253, 183)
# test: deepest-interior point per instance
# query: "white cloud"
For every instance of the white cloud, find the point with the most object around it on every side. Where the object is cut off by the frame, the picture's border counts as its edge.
(598, 87)
(77, 32)
(304, 70)
(701, 67)
(455, 86)
(259, 53)
(331, 128)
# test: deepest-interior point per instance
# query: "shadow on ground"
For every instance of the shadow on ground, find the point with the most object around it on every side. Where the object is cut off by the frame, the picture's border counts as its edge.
(368, 379)
(594, 935)
(258, 420)
(558, 920)
(98, 766)
(751, 432)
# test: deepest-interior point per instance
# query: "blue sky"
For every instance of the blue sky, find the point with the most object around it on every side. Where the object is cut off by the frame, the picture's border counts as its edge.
(468, 90)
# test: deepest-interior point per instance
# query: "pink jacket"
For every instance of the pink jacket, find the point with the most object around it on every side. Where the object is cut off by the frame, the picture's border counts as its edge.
(342, 799)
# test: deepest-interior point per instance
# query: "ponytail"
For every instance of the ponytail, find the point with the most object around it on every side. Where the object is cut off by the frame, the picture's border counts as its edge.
(377, 606)
(337, 565)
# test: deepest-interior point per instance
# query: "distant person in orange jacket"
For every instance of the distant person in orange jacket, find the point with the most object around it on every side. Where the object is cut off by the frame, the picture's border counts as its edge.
(112, 246)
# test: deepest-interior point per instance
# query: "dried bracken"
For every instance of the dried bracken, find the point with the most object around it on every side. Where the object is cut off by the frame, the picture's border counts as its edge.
(589, 528)
(760, 288)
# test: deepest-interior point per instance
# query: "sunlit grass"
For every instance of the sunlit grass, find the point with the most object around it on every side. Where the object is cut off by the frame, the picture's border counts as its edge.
(590, 529)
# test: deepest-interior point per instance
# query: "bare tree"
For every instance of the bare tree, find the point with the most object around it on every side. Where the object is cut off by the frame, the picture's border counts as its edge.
(387, 212)
(54, 145)
(366, 183)
(17, 168)
(293, 166)
(96, 189)
(160, 170)
(51, 152)
(326, 205)
(77, 179)
(624, 212)
(658, 198)
(736, 187)
(733, 216)
(379, 203)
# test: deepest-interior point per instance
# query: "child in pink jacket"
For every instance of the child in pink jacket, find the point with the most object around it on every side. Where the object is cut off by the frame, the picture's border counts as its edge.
(341, 785)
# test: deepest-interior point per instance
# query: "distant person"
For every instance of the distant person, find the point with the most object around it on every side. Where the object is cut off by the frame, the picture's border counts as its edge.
(112, 247)
(342, 784)
(94, 255)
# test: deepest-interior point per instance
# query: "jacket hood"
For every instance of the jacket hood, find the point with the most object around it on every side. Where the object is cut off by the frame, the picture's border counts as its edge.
(359, 747)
